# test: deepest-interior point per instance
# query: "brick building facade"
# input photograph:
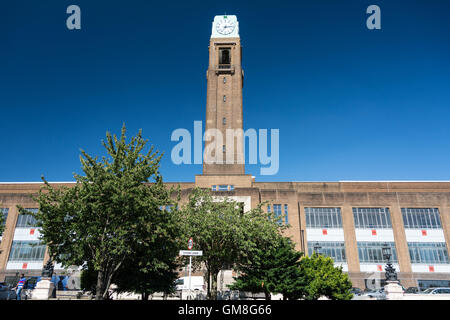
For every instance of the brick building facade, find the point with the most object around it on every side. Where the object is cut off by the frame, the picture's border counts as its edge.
(349, 221)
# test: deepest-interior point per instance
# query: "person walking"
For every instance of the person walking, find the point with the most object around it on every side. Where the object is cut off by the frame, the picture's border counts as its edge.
(19, 286)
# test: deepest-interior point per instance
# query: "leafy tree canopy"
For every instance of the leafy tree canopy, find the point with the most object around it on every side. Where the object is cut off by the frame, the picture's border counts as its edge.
(324, 279)
(224, 232)
(110, 212)
(273, 268)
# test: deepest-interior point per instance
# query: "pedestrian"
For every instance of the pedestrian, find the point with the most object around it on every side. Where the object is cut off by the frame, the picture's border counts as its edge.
(20, 285)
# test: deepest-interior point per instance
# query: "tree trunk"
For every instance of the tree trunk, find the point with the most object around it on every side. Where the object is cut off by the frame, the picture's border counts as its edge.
(214, 285)
(99, 288)
(107, 278)
(208, 284)
(267, 295)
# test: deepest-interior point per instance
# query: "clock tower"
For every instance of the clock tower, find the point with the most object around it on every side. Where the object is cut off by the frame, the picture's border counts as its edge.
(225, 76)
(223, 157)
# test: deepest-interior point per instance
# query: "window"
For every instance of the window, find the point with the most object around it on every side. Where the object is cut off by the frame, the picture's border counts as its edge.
(224, 56)
(223, 187)
(27, 220)
(372, 218)
(27, 251)
(334, 250)
(371, 252)
(224, 148)
(224, 98)
(286, 220)
(11, 280)
(277, 212)
(428, 252)
(224, 121)
(323, 217)
(421, 218)
(425, 284)
(4, 214)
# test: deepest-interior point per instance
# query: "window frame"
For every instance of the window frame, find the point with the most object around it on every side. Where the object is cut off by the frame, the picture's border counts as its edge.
(323, 217)
(421, 218)
(372, 218)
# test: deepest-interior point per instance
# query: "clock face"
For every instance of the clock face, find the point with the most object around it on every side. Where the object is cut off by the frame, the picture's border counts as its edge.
(225, 26)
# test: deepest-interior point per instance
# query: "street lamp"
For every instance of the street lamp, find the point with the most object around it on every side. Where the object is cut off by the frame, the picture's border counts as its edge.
(391, 274)
(392, 289)
(317, 247)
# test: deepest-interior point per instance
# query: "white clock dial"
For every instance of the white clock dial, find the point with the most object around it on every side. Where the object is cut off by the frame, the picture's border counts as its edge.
(225, 26)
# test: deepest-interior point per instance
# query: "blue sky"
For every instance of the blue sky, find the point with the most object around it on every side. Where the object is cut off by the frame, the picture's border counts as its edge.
(350, 103)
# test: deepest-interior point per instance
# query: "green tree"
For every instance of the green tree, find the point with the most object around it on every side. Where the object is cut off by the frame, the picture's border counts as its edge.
(150, 271)
(324, 279)
(109, 212)
(224, 233)
(273, 268)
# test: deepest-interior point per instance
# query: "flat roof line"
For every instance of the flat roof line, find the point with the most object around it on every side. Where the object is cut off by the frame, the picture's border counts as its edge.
(394, 181)
(406, 181)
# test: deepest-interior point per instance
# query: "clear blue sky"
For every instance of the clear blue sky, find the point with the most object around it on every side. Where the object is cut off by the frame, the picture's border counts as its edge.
(350, 103)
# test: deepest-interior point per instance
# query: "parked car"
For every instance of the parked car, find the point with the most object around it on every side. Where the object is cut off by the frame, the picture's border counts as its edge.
(437, 291)
(3, 284)
(356, 291)
(6, 292)
(412, 290)
(378, 294)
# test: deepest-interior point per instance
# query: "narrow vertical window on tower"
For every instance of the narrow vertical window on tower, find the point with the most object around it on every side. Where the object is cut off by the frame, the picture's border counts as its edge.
(224, 98)
(224, 121)
(224, 56)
